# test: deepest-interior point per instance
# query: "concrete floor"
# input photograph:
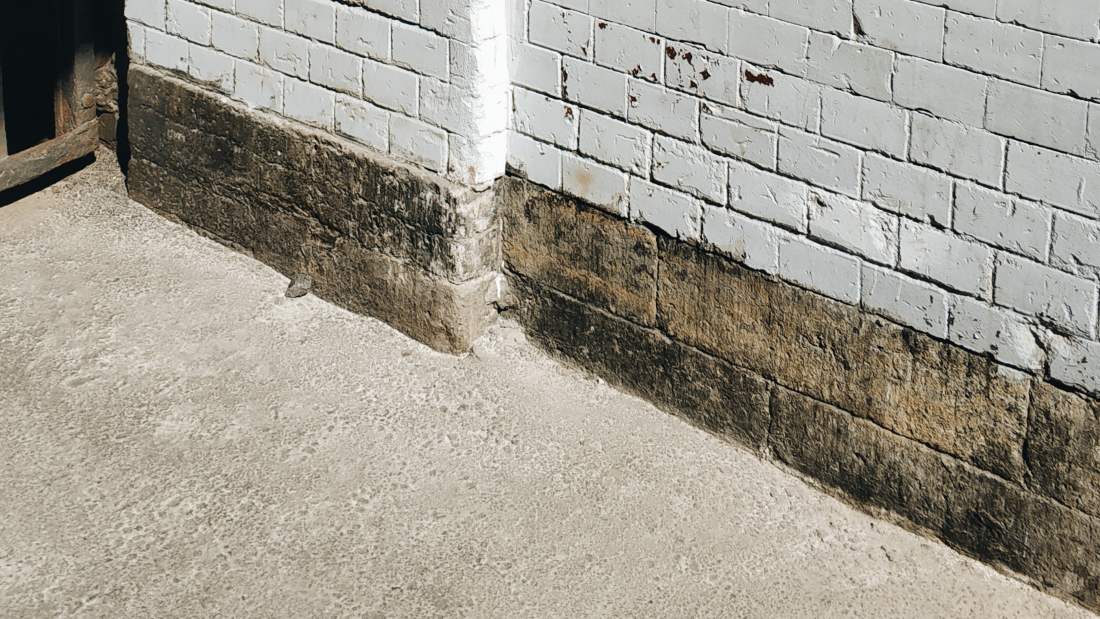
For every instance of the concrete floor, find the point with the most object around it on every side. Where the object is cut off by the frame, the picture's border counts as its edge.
(179, 439)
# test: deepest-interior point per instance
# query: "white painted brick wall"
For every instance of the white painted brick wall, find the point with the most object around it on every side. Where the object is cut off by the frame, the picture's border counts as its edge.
(936, 162)
(360, 71)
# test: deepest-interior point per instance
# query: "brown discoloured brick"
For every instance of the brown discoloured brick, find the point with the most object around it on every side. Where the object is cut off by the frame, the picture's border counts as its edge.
(706, 391)
(585, 253)
(1063, 453)
(376, 237)
(868, 463)
(1000, 522)
(930, 391)
(982, 515)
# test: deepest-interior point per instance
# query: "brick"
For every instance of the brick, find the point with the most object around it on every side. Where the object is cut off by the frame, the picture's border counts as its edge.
(785, 98)
(1053, 296)
(768, 42)
(981, 8)
(901, 25)
(819, 161)
(1054, 178)
(536, 68)
(597, 184)
(942, 90)
(259, 87)
(982, 328)
(1071, 67)
(702, 73)
(545, 118)
(211, 67)
(827, 15)
(864, 122)
(1002, 221)
(995, 48)
(752, 243)
(913, 191)
(739, 135)
(908, 301)
(390, 87)
(832, 273)
(856, 227)
(418, 142)
(136, 33)
(335, 69)
(636, 53)
(641, 14)
(577, 250)
(308, 103)
(862, 69)
(315, 19)
(234, 36)
(1072, 18)
(690, 168)
(262, 11)
(615, 143)
(537, 161)
(362, 32)
(1035, 116)
(403, 9)
(676, 214)
(421, 51)
(1076, 362)
(954, 262)
(569, 32)
(164, 50)
(909, 383)
(363, 122)
(694, 21)
(284, 53)
(663, 110)
(705, 391)
(957, 149)
(1064, 447)
(1076, 247)
(768, 196)
(594, 86)
(189, 21)
(153, 14)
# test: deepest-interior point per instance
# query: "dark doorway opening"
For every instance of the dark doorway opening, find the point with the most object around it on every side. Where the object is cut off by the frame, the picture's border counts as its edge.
(28, 69)
(48, 90)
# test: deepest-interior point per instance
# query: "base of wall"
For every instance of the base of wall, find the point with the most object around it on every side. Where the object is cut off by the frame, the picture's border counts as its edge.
(994, 462)
(377, 237)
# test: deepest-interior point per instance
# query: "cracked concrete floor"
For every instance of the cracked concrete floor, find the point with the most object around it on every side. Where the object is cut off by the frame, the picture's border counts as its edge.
(179, 439)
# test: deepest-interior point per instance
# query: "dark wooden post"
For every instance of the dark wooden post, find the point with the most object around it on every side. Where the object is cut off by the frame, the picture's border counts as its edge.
(3, 130)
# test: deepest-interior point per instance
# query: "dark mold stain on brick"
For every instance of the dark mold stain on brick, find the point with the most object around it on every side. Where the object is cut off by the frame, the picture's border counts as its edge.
(759, 78)
(670, 52)
(602, 25)
(705, 74)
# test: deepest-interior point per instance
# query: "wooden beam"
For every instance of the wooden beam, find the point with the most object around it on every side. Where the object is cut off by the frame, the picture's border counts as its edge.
(75, 93)
(29, 164)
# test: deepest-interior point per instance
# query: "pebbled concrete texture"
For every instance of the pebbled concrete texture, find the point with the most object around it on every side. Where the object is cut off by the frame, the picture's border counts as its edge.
(178, 438)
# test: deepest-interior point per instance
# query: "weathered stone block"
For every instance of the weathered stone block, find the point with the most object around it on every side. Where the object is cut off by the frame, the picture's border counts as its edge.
(708, 392)
(927, 390)
(581, 251)
(1063, 448)
(377, 237)
(870, 464)
(1000, 522)
(981, 514)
